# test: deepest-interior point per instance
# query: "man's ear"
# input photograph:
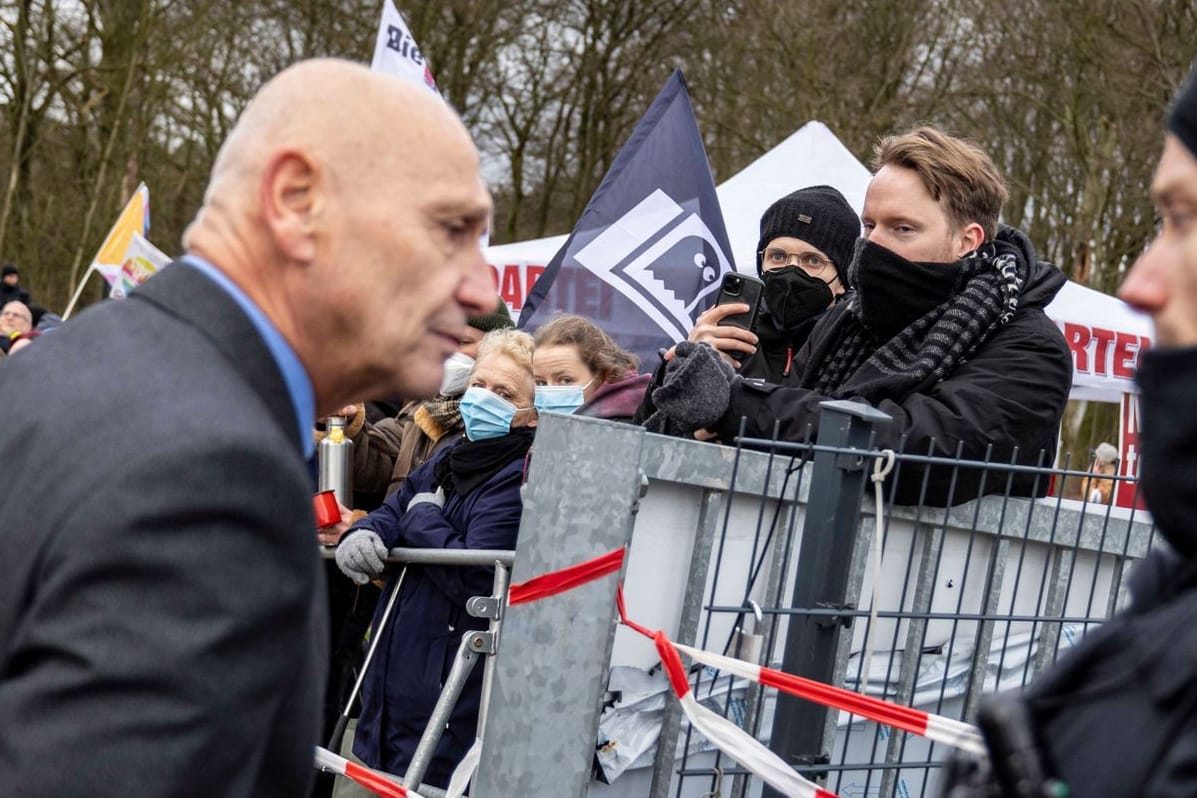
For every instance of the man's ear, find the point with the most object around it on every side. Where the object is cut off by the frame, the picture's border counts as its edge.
(971, 236)
(292, 203)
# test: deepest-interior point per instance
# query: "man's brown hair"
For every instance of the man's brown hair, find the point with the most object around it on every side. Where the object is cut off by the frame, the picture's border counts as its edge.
(957, 173)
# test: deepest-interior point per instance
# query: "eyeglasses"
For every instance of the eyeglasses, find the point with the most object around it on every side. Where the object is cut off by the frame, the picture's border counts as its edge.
(776, 257)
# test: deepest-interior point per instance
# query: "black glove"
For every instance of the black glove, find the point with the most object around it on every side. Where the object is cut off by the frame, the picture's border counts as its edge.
(695, 391)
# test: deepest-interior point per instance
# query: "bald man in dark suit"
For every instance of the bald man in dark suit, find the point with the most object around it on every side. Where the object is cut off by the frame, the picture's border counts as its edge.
(162, 626)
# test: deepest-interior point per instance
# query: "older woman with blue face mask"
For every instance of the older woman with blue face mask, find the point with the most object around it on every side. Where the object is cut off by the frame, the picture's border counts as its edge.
(466, 497)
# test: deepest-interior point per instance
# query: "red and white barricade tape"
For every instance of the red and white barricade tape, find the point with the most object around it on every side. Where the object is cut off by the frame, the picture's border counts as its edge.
(725, 735)
(464, 770)
(382, 784)
(556, 582)
(372, 780)
(948, 731)
(951, 732)
(730, 738)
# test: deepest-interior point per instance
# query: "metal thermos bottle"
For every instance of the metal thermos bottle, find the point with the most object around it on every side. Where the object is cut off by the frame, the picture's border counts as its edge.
(336, 461)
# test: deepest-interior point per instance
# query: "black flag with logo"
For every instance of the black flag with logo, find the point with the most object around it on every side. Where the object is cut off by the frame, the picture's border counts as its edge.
(648, 254)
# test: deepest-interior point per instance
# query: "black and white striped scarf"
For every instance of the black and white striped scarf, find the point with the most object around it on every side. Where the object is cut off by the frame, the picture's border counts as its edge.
(856, 362)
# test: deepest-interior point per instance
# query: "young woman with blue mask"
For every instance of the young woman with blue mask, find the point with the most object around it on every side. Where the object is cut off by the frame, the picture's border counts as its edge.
(580, 369)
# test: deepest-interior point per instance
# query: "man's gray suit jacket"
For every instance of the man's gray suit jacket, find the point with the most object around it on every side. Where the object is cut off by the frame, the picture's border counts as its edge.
(162, 615)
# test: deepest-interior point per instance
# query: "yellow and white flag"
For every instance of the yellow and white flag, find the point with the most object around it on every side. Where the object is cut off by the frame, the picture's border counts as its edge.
(142, 260)
(125, 246)
(135, 218)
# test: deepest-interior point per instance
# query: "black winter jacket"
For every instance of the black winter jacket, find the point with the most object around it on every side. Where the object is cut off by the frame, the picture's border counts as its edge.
(13, 293)
(1118, 714)
(418, 647)
(776, 356)
(1010, 395)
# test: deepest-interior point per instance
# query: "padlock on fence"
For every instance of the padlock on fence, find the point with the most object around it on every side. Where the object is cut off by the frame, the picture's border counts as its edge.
(747, 644)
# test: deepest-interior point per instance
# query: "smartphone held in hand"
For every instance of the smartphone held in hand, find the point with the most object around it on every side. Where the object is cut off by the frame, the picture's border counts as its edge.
(745, 289)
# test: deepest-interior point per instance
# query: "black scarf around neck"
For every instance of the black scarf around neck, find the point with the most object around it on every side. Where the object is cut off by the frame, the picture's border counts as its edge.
(1167, 377)
(892, 292)
(872, 361)
(470, 464)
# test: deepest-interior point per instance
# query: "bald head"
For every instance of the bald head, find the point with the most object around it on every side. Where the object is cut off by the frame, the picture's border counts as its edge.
(335, 112)
(348, 205)
(15, 317)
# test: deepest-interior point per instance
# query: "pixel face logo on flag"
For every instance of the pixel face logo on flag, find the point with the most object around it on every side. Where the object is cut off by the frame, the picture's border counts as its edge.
(650, 249)
(666, 261)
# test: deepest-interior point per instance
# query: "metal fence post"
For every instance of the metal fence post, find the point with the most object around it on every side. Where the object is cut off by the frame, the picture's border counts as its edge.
(829, 535)
(550, 671)
(709, 517)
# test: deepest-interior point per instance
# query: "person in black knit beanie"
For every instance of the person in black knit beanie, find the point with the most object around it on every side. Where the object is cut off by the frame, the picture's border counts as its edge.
(805, 246)
(1182, 118)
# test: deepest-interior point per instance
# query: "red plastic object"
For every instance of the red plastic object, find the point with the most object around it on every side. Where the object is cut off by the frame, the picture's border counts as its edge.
(327, 511)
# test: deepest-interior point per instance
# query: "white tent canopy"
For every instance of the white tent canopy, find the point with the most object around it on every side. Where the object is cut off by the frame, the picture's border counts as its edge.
(811, 157)
(1104, 333)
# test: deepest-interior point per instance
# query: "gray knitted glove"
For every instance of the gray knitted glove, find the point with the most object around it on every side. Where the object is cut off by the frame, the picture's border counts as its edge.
(437, 498)
(360, 555)
(696, 389)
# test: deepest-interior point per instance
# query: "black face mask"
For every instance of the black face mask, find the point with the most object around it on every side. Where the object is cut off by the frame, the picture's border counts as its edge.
(893, 291)
(1168, 443)
(793, 296)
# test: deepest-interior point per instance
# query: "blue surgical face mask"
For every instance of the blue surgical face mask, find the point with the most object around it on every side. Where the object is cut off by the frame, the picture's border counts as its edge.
(486, 414)
(560, 398)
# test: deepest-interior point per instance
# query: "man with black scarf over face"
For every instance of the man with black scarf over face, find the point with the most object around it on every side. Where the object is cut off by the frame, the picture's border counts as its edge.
(943, 330)
(1117, 715)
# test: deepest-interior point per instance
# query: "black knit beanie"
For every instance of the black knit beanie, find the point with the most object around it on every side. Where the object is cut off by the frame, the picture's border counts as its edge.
(499, 319)
(820, 216)
(1182, 119)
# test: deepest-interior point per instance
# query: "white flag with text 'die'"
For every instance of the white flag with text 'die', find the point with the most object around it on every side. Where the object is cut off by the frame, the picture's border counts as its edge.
(396, 52)
(649, 252)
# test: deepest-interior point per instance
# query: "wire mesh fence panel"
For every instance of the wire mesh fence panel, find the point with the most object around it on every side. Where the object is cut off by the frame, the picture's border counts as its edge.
(968, 600)
(785, 555)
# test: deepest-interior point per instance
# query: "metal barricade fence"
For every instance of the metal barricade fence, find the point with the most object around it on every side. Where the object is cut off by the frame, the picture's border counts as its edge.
(473, 644)
(970, 599)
